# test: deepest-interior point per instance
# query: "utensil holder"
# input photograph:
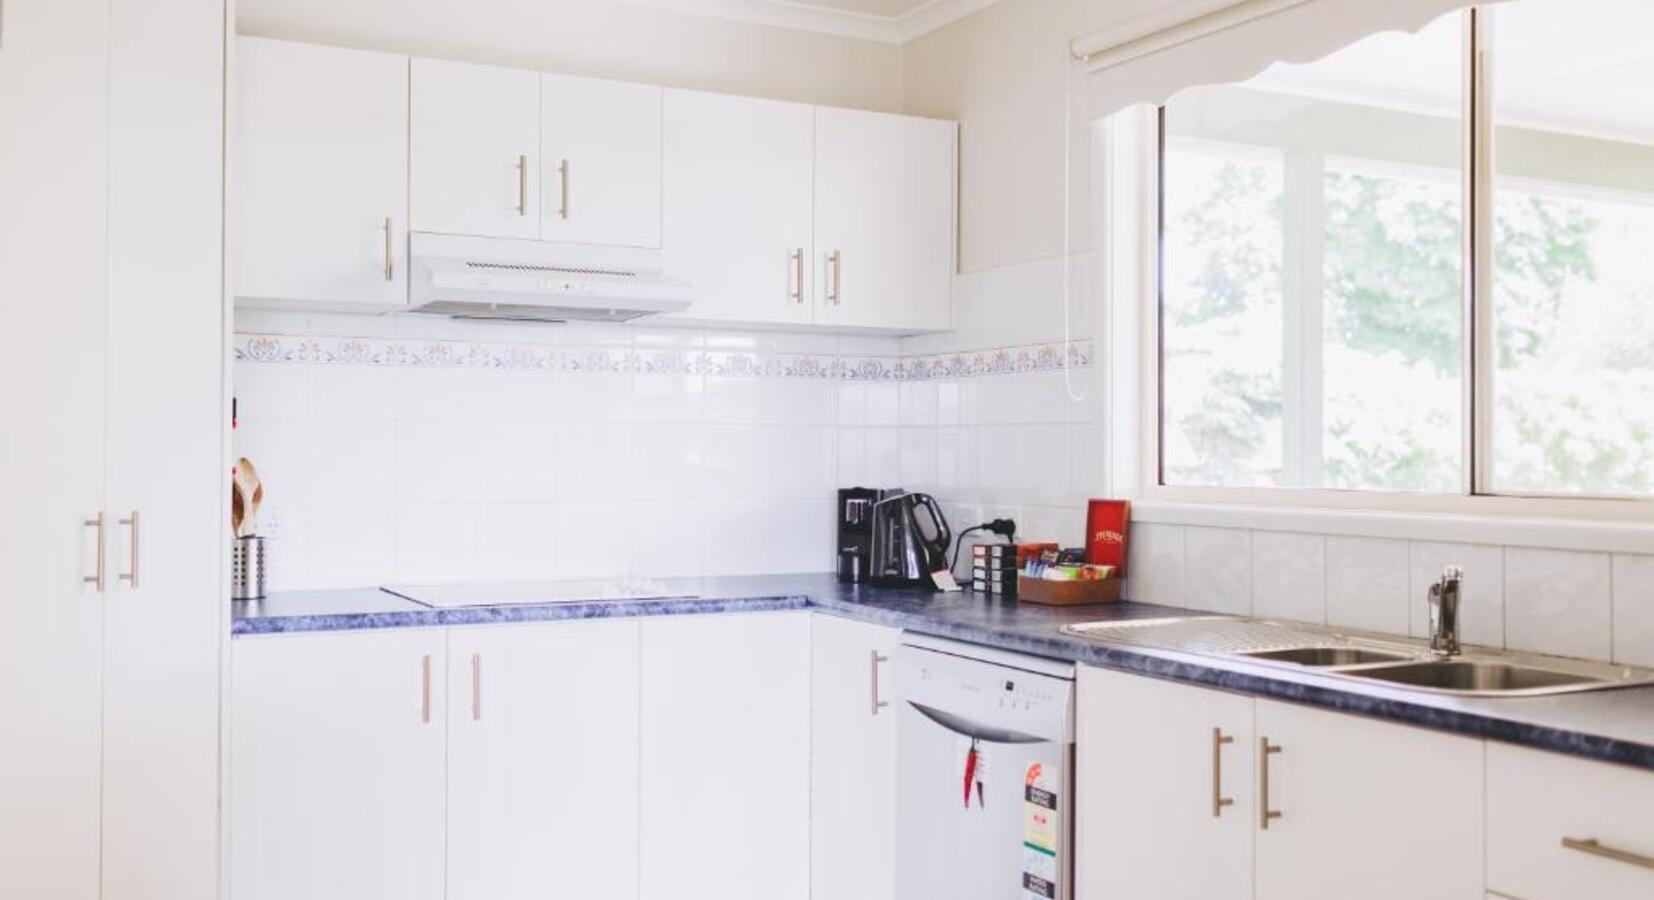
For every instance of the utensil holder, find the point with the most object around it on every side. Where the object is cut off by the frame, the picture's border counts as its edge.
(247, 569)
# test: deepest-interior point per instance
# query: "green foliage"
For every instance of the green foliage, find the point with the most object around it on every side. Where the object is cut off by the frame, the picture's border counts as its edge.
(1394, 268)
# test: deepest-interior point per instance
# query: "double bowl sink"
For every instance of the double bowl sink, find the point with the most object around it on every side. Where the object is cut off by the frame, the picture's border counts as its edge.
(1378, 660)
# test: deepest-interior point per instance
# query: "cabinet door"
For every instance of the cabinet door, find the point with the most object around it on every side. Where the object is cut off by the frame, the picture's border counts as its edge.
(884, 234)
(600, 146)
(54, 114)
(852, 760)
(726, 750)
(543, 761)
(165, 616)
(737, 206)
(1368, 810)
(321, 175)
(1164, 772)
(337, 760)
(475, 165)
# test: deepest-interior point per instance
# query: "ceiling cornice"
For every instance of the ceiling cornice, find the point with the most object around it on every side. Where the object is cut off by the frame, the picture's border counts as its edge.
(900, 29)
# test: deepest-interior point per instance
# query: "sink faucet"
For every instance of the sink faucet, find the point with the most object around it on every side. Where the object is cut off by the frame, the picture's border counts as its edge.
(1444, 613)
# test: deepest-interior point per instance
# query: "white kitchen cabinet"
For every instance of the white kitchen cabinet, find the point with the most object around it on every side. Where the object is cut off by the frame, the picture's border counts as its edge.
(54, 203)
(321, 175)
(738, 206)
(165, 451)
(111, 229)
(600, 148)
(1561, 828)
(1367, 810)
(475, 150)
(1164, 773)
(884, 220)
(337, 749)
(725, 766)
(543, 761)
(853, 841)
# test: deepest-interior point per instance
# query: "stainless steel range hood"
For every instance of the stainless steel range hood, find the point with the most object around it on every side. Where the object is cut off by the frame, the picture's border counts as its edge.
(538, 281)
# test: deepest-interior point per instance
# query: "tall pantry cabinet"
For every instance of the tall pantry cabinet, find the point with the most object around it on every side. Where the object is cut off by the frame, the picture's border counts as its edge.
(111, 447)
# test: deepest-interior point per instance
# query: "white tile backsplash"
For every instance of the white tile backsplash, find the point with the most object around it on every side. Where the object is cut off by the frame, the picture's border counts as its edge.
(1289, 576)
(1634, 609)
(1558, 602)
(1220, 570)
(1367, 584)
(1157, 565)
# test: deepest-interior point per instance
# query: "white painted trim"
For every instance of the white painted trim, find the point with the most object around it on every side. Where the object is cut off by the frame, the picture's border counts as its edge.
(916, 22)
(1507, 531)
(1176, 24)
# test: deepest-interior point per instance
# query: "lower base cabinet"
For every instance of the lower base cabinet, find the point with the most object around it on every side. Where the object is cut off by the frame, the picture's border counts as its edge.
(726, 757)
(337, 764)
(1367, 810)
(853, 706)
(543, 760)
(1162, 766)
(1568, 829)
(1189, 792)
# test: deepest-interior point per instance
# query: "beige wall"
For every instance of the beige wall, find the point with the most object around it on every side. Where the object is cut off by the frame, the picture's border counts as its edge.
(1002, 74)
(600, 39)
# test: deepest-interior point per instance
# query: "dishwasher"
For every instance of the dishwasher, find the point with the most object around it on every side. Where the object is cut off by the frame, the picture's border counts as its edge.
(985, 758)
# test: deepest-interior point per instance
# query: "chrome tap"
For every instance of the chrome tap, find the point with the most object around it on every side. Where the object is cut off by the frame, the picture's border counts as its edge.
(1444, 613)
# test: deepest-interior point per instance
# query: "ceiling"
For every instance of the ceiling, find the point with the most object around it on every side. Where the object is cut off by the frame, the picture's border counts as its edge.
(888, 21)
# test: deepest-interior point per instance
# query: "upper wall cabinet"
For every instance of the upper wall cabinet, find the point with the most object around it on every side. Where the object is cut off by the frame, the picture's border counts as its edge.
(321, 169)
(600, 145)
(884, 221)
(475, 150)
(738, 206)
(784, 214)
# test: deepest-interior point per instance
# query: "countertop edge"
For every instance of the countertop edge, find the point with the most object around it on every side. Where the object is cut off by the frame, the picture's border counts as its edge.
(1202, 673)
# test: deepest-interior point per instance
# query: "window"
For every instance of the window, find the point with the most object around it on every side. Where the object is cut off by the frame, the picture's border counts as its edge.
(1316, 250)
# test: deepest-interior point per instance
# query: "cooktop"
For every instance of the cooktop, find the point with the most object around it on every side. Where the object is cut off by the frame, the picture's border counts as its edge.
(447, 596)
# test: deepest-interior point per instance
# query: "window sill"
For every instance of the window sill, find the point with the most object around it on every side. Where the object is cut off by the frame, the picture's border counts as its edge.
(1505, 521)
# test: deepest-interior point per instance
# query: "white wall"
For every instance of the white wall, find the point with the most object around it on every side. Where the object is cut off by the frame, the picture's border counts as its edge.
(600, 39)
(1006, 74)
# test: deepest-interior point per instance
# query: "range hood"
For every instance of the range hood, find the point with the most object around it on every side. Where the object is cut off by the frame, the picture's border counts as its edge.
(538, 281)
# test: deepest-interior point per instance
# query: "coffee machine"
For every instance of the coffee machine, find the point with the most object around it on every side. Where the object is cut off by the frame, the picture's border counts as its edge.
(890, 537)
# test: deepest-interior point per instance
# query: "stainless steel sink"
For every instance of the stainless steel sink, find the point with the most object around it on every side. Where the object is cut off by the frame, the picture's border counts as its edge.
(1375, 659)
(1326, 656)
(1478, 676)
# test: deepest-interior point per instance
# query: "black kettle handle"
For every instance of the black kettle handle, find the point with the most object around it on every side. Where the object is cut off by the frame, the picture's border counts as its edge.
(944, 535)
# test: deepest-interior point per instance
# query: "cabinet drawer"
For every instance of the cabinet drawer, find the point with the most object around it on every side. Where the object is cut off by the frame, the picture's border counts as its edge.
(1538, 801)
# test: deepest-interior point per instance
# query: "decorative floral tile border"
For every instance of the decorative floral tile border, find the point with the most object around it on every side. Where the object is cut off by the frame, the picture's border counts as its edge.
(270, 348)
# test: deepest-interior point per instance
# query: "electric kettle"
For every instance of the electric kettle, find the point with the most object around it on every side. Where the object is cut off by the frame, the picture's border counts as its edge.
(910, 540)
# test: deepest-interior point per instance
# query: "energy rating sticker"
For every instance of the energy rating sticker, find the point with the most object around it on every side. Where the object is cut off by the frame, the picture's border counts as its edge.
(1039, 835)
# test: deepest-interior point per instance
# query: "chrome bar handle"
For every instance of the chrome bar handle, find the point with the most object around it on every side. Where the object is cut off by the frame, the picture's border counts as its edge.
(1265, 751)
(563, 179)
(130, 576)
(1219, 739)
(99, 576)
(796, 258)
(522, 185)
(1596, 848)
(834, 284)
(425, 689)
(875, 657)
(390, 251)
(476, 687)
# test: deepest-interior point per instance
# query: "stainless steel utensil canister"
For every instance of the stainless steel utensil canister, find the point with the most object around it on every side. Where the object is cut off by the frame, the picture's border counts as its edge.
(247, 568)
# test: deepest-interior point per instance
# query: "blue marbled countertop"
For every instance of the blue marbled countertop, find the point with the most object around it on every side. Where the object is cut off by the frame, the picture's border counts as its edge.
(1612, 726)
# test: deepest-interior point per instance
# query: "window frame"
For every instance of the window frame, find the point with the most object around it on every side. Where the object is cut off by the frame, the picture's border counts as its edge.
(1137, 143)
